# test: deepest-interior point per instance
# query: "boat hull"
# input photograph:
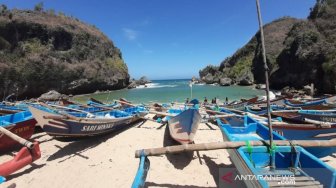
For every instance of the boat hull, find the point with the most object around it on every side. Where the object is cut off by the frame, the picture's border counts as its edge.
(24, 129)
(255, 160)
(183, 127)
(57, 125)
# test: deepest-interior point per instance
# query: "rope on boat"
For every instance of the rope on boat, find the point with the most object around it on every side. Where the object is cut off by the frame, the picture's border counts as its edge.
(250, 150)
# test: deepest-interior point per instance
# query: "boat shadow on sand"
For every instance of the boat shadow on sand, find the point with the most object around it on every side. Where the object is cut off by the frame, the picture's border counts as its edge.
(219, 169)
(78, 146)
(32, 167)
(180, 160)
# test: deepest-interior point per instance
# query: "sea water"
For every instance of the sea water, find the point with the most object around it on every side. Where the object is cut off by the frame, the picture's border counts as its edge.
(166, 91)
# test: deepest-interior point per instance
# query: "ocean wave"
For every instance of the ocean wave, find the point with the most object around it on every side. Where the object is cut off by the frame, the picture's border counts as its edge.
(154, 85)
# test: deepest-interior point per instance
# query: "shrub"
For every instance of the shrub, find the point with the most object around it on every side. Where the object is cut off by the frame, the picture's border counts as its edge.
(39, 7)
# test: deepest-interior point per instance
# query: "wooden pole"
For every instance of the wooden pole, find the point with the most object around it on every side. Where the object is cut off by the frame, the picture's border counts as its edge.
(230, 145)
(272, 162)
(15, 137)
(160, 113)
(63, 107)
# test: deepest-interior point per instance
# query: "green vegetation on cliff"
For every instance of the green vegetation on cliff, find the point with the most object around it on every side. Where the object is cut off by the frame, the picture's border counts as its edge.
(247, 60)
(40, 51)
(299, 52)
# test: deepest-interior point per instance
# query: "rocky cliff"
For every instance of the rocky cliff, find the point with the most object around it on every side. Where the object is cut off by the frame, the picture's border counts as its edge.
(309, 55)
(40, 51)
(245, 66)
(299, 52)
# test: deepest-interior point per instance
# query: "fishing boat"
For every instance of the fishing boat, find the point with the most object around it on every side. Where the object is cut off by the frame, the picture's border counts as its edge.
(20, 123)
(262, 110)
(23, 157)
(241, 105)
(183, 126)
(79, 124)
(279, 101)
(96, 103)
(280, 161)
(293, 103)
(303, 116)
(294, 162)
(323, 116)
(27, 154)
(10, 109)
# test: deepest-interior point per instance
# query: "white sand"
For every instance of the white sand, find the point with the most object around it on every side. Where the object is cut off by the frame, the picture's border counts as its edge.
(108, 161)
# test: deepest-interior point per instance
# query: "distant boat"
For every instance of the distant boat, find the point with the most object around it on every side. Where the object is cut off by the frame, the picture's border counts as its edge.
(21, 124)
(241, 105)
(60, 123)
(183, 126)
(293, 103)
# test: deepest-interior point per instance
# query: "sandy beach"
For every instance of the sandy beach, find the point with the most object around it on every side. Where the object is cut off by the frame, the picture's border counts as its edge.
(108, 161)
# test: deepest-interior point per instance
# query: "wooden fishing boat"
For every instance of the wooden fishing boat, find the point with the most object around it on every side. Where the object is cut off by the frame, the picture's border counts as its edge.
(277, 101)
(262, 110)
(317, 104)
(302, 104)
(27, 155)
(323, 116)
(301, 131)
(24, 157)
(302, 116)
(183, 126)
(304, 168)
(77, 124)
(21, 124)
(8, 109)
(242, 104)
(96, 103)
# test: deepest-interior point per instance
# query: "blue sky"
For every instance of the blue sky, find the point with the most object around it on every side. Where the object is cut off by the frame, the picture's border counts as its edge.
(165, 39)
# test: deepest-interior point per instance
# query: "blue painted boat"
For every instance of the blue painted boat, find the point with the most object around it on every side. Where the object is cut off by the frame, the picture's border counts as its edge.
(303, 104)
(11, 109)
(242, 104)
(294, 162)
(2, 179)
(79, 124)
(194, 101)
(95, 103)
(319, 115)
(183, 126)
(263, 110)
(141, 175)
(20, 123)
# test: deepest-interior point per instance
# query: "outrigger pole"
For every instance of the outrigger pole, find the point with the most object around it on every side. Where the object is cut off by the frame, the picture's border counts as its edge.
(272, 162)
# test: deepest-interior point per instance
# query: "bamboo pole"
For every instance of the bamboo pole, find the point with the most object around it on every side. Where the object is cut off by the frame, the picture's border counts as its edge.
(15, 137)
(230, 145)
(64, 114)
(272, 162)
(63, 107)
(161, 113)
(103, 107)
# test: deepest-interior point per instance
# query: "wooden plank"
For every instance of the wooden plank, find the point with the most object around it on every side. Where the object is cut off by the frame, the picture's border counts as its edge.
(231, 145)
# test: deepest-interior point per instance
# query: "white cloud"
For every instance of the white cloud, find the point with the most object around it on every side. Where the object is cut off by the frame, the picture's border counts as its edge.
(130, 34)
